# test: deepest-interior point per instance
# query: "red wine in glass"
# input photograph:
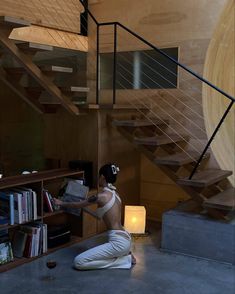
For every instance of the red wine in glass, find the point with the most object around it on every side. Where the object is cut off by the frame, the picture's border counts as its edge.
(51, 264)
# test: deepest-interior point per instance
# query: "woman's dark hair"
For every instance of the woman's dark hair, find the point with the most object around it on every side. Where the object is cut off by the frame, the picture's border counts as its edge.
(109, 171)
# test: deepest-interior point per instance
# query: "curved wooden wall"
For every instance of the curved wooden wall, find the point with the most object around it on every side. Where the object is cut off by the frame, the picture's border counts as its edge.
(220, 70)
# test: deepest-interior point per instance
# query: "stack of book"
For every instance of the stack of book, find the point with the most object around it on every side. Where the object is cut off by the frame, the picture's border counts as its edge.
(18, 205)
(30, 240)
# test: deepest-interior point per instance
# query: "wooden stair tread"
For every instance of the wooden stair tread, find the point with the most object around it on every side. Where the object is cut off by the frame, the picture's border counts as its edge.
(93, 106)
(161, 140)
(13, 22)
(205, 178)
(75, 89)
(136, 123)
(55, 68)
(224, 200)
(30, 46)
(47, 68)
(179, 158)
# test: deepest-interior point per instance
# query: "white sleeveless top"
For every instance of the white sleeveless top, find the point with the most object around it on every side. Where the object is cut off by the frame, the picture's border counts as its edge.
(100, 211)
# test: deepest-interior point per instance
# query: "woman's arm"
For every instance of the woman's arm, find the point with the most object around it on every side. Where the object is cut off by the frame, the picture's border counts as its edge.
(80, 204)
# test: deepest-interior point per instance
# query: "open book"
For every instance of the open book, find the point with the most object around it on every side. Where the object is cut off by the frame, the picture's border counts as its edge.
(75, 192)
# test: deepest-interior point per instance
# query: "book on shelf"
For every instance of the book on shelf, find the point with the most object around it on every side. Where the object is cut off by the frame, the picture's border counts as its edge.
(18, 205)
(7, 206)
(29, 203)
(18, 244)
(75, 192)
(6, 254)
(48, 203)
(32, 198)
(3, 219)
(30, 240)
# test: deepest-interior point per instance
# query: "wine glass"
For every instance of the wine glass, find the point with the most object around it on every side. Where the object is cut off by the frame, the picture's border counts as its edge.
(50, 265)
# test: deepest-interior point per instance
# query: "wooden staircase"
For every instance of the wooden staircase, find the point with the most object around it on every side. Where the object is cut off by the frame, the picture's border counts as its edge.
(45, 95)
(208, 188)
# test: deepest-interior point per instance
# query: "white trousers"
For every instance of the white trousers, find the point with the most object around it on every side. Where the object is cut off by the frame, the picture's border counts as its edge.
(113, 254)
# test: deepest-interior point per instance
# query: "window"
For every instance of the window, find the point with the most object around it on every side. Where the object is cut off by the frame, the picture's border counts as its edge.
(140, 70)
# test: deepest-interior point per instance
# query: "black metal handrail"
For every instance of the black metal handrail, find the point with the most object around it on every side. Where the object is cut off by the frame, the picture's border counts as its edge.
(116, 24)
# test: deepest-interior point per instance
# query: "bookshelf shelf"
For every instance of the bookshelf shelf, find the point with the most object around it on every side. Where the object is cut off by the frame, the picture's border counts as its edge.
(20, 180)
(49, 214)
(7, 227)
(23, 260)
(38, 182)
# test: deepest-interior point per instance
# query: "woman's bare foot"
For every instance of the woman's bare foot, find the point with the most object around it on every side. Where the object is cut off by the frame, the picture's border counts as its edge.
(133, 259)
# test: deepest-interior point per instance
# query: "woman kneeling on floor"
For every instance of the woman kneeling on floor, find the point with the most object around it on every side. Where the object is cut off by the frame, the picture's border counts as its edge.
(116, 252)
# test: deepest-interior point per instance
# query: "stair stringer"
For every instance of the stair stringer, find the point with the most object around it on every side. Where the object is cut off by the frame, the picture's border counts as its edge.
(194, 194)
(34, 71)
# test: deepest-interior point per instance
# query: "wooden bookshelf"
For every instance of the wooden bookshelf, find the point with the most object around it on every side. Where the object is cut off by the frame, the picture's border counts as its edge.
(43, 180)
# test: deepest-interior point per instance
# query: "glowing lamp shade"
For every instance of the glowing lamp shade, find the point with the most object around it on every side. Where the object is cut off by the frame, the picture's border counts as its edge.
(135, 219)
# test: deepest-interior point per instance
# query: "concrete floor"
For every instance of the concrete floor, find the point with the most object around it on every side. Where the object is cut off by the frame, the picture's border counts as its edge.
(155, 272)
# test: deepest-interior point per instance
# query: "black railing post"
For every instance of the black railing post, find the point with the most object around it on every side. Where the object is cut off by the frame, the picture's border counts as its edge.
(97, 63)
(211, 139)
(114, 62)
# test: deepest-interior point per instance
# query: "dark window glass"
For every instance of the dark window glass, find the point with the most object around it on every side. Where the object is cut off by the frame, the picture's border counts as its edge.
(140, 70)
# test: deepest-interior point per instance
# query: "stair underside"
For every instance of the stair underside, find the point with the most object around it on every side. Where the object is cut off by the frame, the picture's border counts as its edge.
(136, 123)
(224, 200)
(46, 68)
(33, 47)
(105, 106)
(55, 68)
(205, 178)
(161, 140)
(179, 158)
(75, 89)
(13, 22)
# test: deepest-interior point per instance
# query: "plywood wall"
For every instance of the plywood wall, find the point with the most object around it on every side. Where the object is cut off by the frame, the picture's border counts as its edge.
(21, 134)
(68, 137)
(58, 14)
(158, 192)
(113, 147)
(175, 23)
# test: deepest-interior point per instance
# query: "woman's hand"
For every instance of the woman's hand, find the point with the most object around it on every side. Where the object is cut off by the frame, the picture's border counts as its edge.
(58, 202)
